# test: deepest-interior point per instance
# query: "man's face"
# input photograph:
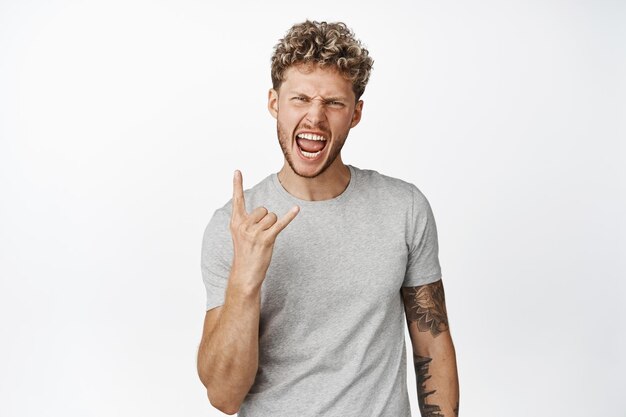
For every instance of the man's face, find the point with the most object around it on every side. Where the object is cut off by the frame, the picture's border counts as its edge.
(315, 109)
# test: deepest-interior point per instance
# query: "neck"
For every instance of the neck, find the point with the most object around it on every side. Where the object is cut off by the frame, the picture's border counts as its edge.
(329, 184)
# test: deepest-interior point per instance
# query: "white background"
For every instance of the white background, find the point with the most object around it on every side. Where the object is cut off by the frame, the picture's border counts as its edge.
(121, 123)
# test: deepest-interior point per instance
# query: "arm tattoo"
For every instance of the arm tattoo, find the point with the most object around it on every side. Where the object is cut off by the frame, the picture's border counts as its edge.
(421, 370)
(426, 306)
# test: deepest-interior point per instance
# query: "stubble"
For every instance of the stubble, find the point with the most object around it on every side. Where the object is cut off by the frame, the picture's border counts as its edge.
(285, 141)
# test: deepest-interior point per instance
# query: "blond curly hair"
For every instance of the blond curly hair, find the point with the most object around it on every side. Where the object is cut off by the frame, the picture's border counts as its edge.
(326, 44)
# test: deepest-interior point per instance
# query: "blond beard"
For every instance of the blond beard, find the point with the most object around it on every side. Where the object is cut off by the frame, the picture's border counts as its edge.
(285, 140)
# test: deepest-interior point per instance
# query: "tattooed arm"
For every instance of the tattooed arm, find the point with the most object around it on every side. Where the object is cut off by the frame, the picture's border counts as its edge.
(433, 352)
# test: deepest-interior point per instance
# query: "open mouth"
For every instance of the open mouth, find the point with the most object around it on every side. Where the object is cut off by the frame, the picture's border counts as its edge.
(310, 145)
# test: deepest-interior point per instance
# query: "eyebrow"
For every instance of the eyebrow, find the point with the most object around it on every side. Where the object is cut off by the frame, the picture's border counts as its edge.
(336, 98)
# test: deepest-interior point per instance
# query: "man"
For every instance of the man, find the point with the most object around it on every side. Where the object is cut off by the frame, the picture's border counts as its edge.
(305, 312)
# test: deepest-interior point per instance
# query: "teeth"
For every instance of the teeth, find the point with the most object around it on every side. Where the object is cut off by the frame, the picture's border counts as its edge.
(311, 136)
(310, 154)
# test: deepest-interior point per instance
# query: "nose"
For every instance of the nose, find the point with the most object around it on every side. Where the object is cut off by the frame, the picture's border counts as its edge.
(316, 112)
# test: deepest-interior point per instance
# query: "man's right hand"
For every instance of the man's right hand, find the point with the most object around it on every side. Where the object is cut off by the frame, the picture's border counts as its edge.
(254, 235)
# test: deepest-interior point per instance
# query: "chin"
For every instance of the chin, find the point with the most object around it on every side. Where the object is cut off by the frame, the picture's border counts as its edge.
(307, 172)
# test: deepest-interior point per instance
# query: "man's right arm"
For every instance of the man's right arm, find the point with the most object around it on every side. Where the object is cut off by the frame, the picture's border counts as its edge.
(229, 350)
(228, 357)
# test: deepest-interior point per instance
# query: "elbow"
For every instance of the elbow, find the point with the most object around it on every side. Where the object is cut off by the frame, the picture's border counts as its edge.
(224, 394)
(226, 402)
(222, 403)
(225, 407)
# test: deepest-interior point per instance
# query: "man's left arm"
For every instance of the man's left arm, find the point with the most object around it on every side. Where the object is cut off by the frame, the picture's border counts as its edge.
(434, 357)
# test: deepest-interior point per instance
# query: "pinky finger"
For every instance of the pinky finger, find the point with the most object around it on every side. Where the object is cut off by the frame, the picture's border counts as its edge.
(285, 220)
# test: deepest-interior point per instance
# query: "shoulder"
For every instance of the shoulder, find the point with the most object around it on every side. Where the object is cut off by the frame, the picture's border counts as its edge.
(392, 188)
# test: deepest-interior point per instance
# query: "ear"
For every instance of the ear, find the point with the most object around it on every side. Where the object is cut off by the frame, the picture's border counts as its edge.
(356, 116)
(272, 103)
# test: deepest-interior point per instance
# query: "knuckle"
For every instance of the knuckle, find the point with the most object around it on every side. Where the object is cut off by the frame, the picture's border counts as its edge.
(270, 218)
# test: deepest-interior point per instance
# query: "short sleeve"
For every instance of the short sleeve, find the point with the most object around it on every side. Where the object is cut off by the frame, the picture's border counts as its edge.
(423, 258)
(216, 258)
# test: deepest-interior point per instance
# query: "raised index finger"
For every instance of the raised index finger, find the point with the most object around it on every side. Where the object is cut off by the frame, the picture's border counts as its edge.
(239, 206)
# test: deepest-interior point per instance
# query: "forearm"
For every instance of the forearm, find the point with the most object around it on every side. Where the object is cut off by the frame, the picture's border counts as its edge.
(433, 351)
(437, 380)
(228, 358)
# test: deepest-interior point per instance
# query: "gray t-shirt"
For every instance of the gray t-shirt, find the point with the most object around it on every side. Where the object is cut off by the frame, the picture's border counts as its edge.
(331, 334)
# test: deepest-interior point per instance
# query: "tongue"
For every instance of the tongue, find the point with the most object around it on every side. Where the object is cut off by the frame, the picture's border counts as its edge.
(310, 145)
